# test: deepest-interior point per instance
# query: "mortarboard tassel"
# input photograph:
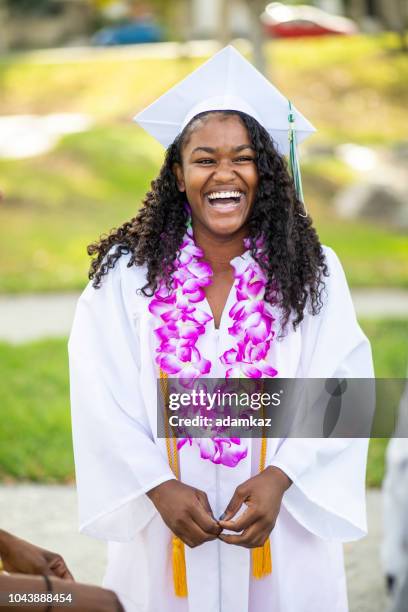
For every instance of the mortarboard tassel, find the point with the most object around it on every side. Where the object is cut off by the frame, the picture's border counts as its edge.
(177, 549)
(262, 560)
(294, 165)
(179, 567)
(261, 556)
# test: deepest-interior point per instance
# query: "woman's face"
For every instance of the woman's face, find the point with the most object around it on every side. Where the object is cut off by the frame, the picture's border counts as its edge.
(219, 174)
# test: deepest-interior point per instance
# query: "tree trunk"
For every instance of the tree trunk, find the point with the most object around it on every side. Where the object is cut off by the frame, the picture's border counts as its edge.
(356, 10)
(256, 7)
(401, 24)
(4, 25)
(224, 26)
(394, 15)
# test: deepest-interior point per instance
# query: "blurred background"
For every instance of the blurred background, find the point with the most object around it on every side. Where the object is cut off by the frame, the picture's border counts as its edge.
(72, 166)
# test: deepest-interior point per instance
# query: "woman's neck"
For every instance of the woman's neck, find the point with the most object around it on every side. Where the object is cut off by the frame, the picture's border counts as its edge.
(219, 250)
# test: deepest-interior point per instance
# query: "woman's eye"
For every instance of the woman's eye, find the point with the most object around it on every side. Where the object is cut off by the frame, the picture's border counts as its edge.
(204, 162)
(244, 159)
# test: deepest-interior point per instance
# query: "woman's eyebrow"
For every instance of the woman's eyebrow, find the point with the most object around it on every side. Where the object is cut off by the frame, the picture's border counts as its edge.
(206, 149)
(212, 150)
(244, 146)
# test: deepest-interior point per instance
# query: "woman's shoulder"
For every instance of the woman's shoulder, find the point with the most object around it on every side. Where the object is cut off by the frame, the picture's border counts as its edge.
(335, 292)
(330, 254)
(122, 281)
(129, 272)
(333, 263)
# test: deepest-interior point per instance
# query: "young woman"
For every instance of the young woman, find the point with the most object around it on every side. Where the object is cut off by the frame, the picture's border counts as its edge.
(220, 274)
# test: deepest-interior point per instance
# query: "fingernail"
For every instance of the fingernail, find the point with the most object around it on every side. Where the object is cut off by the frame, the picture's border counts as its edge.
(222, 517)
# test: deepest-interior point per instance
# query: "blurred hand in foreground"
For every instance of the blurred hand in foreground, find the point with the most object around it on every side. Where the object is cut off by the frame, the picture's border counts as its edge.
(21, 557)
(65, 595)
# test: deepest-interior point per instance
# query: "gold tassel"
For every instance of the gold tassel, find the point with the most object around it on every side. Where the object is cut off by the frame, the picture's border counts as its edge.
(177, 554)
(179, 568)
(261, 556)
(262, 560)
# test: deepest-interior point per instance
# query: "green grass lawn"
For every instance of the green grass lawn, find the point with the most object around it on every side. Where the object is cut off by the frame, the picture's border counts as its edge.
(58, 203)
(354, 90)
(35, 436)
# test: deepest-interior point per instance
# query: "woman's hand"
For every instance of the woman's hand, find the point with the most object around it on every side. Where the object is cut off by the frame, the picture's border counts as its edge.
(22, 557)
(186, 511)
(263, 495)
(78, 597)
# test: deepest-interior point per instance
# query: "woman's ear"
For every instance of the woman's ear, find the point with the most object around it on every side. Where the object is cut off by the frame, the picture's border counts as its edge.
(178, 173)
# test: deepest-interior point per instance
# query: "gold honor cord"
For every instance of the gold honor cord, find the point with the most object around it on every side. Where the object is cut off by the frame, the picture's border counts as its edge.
(261, 556)
(178, 553)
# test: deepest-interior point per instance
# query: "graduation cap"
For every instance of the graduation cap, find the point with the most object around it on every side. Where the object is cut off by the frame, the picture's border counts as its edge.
(228, 81)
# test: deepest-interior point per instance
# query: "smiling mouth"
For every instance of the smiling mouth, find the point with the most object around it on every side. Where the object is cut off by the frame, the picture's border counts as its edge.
(227, 199)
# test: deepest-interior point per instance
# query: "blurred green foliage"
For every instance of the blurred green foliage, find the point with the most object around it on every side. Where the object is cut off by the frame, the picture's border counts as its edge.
(35, 434)
(353, 88)
(59, 203)
(30, 6)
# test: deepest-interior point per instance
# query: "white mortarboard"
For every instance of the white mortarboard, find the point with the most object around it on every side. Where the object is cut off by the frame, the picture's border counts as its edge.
(227, 81)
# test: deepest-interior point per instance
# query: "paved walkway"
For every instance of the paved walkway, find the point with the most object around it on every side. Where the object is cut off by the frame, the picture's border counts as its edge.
(46, 515)
(165, 50)
(29, 317)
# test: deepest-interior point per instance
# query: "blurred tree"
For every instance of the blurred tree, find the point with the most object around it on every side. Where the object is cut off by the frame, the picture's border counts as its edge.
(224, 28)
(355, 9)
(175, 16)
(183, 17)
(390, 14)
(394, 14)
(257, 37)
(256, 33)
(4, 15)
(32, 6)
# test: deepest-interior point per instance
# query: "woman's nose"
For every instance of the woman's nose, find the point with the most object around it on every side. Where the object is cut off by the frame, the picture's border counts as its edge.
(224, 170)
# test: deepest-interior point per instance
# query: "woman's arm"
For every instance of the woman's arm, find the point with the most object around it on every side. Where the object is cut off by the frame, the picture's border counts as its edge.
(22, 557)
(117, 459)
(79, 597)
(327, 496)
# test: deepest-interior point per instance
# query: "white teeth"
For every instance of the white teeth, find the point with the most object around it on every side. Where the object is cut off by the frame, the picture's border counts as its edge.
(217, 195)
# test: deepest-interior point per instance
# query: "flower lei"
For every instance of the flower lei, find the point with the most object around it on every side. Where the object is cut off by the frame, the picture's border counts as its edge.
(182, 322)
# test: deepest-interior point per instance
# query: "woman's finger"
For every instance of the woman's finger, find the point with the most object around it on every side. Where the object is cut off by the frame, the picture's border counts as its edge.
(247, 518)
(205, 521)
(193, 535)
(252, 537)
(203, 499)
(235, 503)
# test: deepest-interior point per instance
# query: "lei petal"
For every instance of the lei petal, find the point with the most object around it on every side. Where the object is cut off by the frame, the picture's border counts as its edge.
(184, 322)
(169, 363)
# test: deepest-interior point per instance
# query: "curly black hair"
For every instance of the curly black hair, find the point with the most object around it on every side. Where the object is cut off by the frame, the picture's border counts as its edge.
(292, 257)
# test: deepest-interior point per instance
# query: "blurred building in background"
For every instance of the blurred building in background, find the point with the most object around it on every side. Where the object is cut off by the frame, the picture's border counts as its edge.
(369, 14)
(46, 23)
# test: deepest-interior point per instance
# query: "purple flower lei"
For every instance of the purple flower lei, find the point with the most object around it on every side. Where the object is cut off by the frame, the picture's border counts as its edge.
(182, 322)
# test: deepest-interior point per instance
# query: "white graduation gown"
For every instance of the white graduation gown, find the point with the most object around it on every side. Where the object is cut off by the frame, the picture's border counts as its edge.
(395, 501)
(119, 457)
